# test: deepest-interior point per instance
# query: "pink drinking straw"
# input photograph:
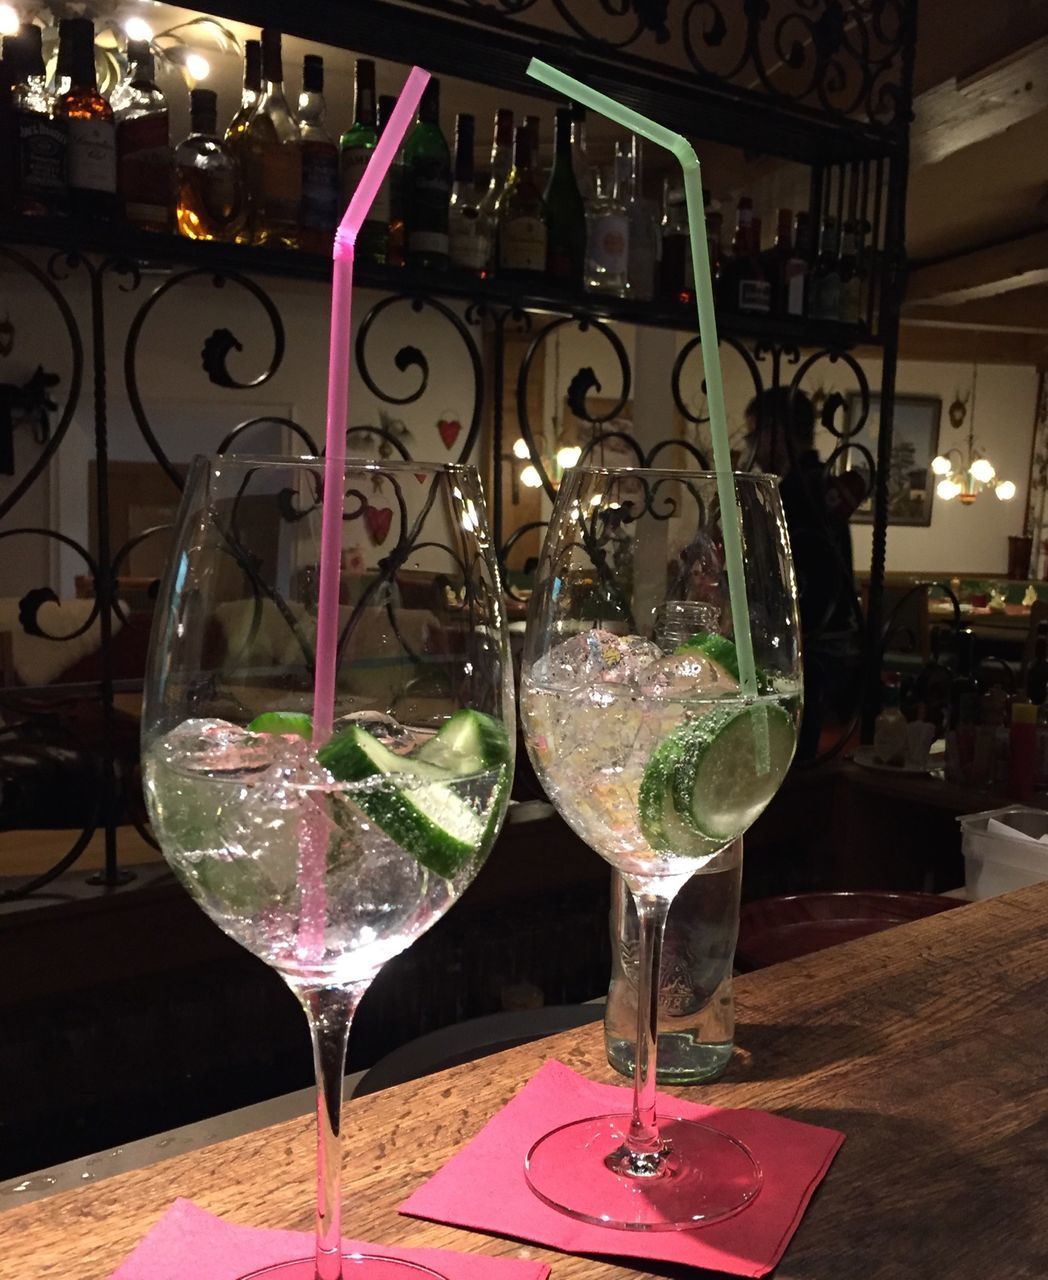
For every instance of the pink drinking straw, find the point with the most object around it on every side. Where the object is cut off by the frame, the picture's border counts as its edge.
(313, 856)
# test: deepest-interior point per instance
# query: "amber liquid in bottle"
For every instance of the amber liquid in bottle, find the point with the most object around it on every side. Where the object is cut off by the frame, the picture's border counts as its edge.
(274, 156)
(236, 131)
(92, 139)
(210, 201)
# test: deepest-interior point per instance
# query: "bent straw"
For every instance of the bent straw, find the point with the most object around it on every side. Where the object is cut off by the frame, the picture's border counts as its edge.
(338, 398)
(700, 256)
(313, 855)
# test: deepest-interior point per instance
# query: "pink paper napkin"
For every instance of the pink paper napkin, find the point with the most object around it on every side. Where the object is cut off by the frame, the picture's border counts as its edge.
(483, 1186)
(189, 1243)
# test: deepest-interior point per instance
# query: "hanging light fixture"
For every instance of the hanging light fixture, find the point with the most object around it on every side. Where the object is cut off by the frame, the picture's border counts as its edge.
(965, 474)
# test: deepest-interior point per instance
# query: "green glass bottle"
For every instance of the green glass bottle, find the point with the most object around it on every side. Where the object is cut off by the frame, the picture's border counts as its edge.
(427, 186)
(355, 148)
(565, 212)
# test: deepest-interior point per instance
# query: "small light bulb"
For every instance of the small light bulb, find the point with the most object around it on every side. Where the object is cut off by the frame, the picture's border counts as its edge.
(982, 470)
(9, 20)
(138, 29)
(596, 500)
(530, 478)
(568, 456)
(1005, 490)
(520, 449)
(198, 66)
(947, 489)
(941, 465)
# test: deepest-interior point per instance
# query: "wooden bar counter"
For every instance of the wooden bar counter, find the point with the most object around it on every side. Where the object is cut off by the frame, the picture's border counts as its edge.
(927, 1045)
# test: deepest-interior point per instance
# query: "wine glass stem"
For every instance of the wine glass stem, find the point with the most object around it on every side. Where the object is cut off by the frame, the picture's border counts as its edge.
(643, 1140)
(330, 1012)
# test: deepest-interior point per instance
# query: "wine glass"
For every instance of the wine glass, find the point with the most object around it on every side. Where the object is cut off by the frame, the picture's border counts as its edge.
(325, 860)
(644, 734)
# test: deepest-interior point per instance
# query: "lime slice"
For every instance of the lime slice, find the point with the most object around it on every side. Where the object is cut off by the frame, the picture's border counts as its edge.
(420, 811)
(729, 765)
(469, 742)
(283, 722)
(660, 823)
(717, 647)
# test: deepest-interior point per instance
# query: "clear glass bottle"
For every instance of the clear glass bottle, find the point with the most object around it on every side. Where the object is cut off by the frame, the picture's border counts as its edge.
(643, 217)
(320, 177)
(607, 238)
(40, 141)
(499, 169)
(209, 202)
(826, 280)
(143, 145)
(427, 186)
(797, 270)
(236, 131)
(522, 220)
(469, 229)
(273, 154)
(696, 1031)
(92, 136)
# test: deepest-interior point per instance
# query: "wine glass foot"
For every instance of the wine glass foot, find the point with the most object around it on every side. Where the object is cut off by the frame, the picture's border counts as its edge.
(583, 1169)
(355, 1266)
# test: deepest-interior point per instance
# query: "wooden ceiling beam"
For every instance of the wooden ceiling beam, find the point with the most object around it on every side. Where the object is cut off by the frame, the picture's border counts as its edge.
(1021, 263)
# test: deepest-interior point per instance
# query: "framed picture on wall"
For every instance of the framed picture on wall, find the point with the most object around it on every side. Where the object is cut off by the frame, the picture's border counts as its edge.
(915, 441)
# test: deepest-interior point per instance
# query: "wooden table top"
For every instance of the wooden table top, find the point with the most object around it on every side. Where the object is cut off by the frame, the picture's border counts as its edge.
(925, 1045)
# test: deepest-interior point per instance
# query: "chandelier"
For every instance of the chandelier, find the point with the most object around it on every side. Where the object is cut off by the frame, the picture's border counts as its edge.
(965, 474)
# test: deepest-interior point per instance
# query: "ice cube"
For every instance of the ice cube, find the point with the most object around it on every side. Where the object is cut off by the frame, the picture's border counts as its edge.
(685, 675)
(595, 655)
(389, 731)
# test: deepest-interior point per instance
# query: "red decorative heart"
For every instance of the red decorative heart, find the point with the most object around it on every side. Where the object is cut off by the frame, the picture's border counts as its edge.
(378, 520)
(449, 429)
(420, 476)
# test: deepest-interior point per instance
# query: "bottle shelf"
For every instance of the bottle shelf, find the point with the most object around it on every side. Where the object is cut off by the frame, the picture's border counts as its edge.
(153, 252)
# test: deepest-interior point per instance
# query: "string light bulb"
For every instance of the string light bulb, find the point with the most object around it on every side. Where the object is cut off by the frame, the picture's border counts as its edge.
(520, 449)
(136, 28)
(530, 478)
(9, 20)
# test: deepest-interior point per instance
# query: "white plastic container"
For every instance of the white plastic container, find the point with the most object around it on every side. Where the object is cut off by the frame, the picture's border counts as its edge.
(996, 863)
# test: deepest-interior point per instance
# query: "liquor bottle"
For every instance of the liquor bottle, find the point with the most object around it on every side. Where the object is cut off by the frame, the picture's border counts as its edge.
(793, 297)
(469, 231)
(714, 233)
(92, 139)
(236, 131)
(1037, 675)
(676, 271)
(522, 236)
(274, 155)
(320, 179)
(826, 279)
(64, 60)
(849, 307)
(745, 286)
(643, 220)
(498, 175)
(39, 140)
(775, 259)
(210, 202)
(8, 131)
(388, 206)
(427, 186)
(580, 160)
(565, 212)
(607, 238)
(355, 148)
(143, 145)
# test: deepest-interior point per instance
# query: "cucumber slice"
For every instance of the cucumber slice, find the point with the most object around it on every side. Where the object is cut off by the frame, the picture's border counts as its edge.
(660, 823)
(469, 742)
(717, 647)
(283, 722)
(717, 788)
(429, 820)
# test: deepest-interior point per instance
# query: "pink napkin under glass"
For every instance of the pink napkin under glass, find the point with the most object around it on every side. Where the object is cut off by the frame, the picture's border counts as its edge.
(483, 1186)
(188, 1242)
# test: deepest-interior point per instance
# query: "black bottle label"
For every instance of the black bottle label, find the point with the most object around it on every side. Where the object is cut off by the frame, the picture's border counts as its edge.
(42, 144)
(428, 193)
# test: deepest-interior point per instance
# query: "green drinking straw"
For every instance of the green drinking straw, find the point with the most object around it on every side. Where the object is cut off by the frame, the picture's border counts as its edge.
(700, 257)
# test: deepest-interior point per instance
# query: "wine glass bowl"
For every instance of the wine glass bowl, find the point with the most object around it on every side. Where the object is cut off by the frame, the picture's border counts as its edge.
(660, 740)
(326, 858)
